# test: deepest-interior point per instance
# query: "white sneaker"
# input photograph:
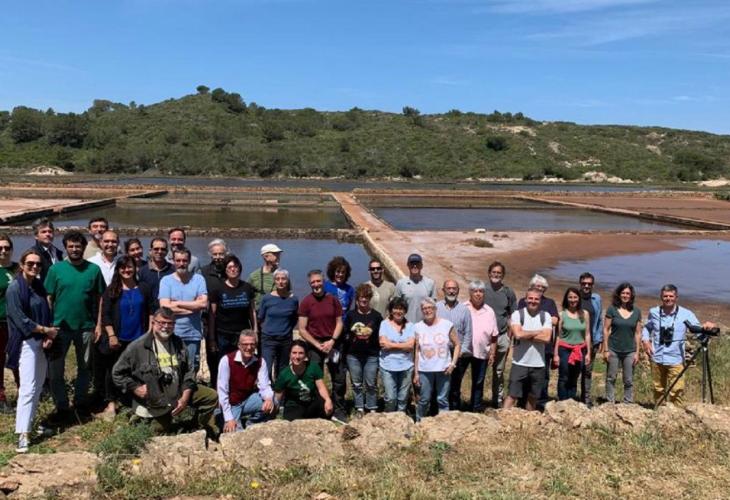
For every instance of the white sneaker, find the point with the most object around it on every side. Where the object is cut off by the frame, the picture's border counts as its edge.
(23, 443)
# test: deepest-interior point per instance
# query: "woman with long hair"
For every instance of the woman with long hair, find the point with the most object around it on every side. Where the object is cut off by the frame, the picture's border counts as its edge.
(621, 337)
(574, 336)
(338, 273)
(30, 322)
(125, 316)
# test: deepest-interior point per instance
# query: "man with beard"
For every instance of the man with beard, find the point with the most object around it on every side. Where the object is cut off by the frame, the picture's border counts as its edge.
(157, 267)
(184, 293)
(177, 239)
(591, 302)
(503, 302)
(214, 274)
(156, 370)
(74, 288)
(451, 309)
(320, 324)
(414, 288)
(97, 227)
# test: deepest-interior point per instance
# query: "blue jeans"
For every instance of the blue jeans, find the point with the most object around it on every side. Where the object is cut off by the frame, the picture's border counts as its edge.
(396, 387)
(251, 409)
(275, 351)
(364, 369)
(193, 349)
(57, 366)
(430, 382)
(568, 376)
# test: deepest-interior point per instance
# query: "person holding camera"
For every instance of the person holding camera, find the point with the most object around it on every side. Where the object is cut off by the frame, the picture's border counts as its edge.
(158, 372)
(663, 338)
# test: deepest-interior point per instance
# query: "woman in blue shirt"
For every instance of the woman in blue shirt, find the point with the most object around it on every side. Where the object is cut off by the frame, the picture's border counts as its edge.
(397, 339)
(338, 272)
(126, 313)
(277, 317)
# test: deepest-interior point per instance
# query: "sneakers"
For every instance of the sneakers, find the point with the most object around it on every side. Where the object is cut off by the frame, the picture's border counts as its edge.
(43, 431)
(360, 413)
(23, 443)
(339, 418)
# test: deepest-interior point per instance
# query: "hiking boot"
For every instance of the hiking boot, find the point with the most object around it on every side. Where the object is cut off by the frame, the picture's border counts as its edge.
(23, 443)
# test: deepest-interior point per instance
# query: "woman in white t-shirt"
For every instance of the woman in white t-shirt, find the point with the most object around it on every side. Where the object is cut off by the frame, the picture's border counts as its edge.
(434, 339)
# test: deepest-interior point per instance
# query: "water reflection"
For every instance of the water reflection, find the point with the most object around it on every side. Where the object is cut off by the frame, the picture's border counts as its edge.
(170, 216)
(299, 257)
(699, 270)
(509, 219)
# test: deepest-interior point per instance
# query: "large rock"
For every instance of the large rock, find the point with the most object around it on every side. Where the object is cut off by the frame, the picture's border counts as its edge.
(568, 414)
(621, 417)
(714, 418)
(177, 455)
(66, 474)
(517, 419)
(375, 433)
(280, 444)
(454, 426)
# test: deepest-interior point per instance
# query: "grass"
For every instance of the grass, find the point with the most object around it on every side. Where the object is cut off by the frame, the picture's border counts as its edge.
(533, 463)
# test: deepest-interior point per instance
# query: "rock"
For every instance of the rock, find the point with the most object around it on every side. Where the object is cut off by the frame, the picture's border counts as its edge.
(516, 419)
(454, 426)
(714, 418)
(376, 432)
(66, 474)
(622, 416)
(47, 170)
(176, 455)
(281, 444)
(568, 414)
(669, 418)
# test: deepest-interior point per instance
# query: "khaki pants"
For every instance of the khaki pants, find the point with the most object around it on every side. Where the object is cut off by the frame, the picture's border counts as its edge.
(662, 376)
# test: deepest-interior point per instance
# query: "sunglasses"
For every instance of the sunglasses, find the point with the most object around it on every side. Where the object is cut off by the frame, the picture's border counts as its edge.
(32, 264)
(6, 248)
(158, 249)
(375, 269)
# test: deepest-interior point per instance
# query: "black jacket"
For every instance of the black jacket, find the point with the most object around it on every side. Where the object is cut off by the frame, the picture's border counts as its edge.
(46, 261)
(138, 366)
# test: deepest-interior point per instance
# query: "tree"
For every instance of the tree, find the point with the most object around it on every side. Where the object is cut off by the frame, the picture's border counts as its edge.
(413, 115)
(26, 124)
(497, 143)
(202, 89)
(68, 130)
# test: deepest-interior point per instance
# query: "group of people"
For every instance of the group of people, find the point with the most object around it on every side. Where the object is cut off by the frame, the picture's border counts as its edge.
(137, 325)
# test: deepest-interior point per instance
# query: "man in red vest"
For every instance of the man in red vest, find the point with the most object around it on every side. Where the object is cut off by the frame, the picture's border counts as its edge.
(244, 388)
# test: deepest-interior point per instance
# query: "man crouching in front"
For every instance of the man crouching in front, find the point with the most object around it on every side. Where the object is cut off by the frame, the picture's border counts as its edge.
(156, 370)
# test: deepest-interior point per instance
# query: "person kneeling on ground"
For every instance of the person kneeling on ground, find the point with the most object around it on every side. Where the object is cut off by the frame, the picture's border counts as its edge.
(244, 389)
(531, 329)
(302, 387)
(156, 370)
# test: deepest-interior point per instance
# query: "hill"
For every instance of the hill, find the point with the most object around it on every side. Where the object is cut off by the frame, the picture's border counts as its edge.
(217, 133)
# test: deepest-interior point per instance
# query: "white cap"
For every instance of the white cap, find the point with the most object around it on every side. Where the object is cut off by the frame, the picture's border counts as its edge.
(270, 248)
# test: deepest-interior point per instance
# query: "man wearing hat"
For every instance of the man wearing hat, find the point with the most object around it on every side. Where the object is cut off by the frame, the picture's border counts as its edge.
(415, 288)
(262, 279)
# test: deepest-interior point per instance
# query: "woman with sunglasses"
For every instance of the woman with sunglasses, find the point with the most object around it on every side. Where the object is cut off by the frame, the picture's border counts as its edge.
(29, 320)
(125, 316)
(8, 270)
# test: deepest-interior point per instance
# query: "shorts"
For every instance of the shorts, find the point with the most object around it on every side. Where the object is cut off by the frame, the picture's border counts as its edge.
(526, 380)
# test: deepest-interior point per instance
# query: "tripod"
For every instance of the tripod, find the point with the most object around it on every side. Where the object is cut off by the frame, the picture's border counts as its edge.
(704, 350)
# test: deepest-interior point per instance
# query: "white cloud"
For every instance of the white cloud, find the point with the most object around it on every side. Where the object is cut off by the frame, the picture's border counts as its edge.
(556, 6)
(449, 81)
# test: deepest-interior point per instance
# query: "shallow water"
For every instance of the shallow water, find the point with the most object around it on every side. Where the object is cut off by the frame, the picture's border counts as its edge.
(299, 257)
(349, 185)
(699, 270)
(510, 219)
(171, 216)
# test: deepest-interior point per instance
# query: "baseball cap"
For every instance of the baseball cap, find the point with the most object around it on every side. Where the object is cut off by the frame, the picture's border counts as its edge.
(414, 258)
(270, 248)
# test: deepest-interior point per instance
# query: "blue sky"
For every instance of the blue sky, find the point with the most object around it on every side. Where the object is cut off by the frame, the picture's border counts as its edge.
(642, 62)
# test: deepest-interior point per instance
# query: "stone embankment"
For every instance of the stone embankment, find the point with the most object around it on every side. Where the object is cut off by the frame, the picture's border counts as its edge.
(316, 444)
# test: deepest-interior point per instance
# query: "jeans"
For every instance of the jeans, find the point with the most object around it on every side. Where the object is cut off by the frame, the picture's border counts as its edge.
(568, 376)
(251, 409)
(503, 344)
(275, 351)
(478, 374)
(396, 388)
(587, 379)
(626, 361)
(432, 382)
(364, 370)
(193, 349)
(57, 366)
(338, 377)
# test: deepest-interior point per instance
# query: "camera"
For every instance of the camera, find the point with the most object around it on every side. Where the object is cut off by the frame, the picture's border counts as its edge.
(699, 330)
(165, 378)
(666, 335)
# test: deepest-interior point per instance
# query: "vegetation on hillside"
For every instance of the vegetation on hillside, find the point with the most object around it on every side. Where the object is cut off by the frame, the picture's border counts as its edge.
(217, 133)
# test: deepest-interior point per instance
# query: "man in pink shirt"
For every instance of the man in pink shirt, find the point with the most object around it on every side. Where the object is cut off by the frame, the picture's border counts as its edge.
(484, 340)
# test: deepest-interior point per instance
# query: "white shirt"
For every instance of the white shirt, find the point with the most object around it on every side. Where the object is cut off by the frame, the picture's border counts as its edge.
(224, 376)
(526, 352)
(107, 268)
